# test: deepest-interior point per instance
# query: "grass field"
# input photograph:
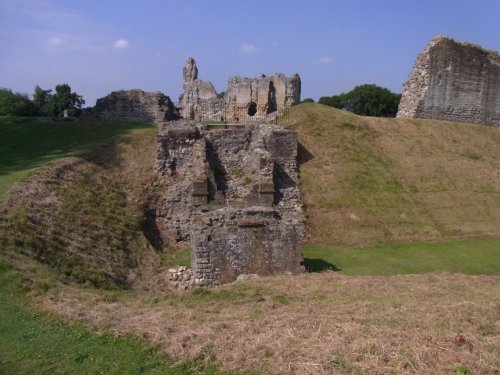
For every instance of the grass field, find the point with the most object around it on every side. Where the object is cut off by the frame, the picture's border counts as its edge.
(473, 257)
(28, 143)
(412, 307)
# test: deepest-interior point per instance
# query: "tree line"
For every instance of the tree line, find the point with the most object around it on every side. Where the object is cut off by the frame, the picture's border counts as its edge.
(364, 100)
(51, 103)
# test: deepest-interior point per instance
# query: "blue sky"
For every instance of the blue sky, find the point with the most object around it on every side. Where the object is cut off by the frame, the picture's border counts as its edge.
(98, 46)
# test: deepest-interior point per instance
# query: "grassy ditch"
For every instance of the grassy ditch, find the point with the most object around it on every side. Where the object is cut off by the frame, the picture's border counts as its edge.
(474, 257)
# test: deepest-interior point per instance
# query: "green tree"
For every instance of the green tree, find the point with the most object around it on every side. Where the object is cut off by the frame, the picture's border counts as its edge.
(41, 99)
(308, 100)
(64, 99)
(16, 104)
(366, 100)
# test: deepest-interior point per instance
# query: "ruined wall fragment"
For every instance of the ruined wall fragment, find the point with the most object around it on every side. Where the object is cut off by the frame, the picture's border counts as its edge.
(454, 81)
(133, 105)
(199, 99)
(245, 98)
(260, 96)
(234, 193)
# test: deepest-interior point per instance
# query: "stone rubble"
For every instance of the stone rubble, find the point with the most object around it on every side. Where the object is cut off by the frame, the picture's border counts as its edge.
(181, 278)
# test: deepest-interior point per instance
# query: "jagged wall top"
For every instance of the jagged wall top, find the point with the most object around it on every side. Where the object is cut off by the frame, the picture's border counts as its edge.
(457, 81)
(244, 97)
(190, 71)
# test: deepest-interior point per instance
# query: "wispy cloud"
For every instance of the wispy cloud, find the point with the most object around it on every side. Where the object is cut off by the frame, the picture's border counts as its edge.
(249, 49)
(51, 28)
(121, 44)
(324, 60)
(55, 44)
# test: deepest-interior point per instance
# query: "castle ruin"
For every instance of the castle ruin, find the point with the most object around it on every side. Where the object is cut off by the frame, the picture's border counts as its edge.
(455, 81)
(234, 193)
(231, 190)
(133, 105)
(244, 99)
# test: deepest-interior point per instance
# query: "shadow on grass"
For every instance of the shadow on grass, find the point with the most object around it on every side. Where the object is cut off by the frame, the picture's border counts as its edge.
(319, 265)
(28, 143)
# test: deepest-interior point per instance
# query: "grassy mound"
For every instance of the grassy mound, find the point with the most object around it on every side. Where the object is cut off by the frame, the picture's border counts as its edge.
(84, 216)
(370, 180)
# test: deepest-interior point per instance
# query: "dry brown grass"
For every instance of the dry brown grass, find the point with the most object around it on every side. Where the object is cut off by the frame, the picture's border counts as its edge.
(386, 180)
(311, 324)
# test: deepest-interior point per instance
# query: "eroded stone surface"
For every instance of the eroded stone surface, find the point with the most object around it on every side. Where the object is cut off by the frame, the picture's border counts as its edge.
(453, 81)
(199, 99)
(244, 98)
(133, 105)
(234, 192)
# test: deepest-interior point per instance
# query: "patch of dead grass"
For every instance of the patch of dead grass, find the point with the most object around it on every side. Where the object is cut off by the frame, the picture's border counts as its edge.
(314, 323)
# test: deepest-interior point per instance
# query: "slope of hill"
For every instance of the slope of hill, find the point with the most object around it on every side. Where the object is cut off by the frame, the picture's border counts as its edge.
(368, 180)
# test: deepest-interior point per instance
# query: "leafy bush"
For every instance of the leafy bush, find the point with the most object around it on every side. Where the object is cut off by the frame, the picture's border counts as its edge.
(366, 100)
(16, 104)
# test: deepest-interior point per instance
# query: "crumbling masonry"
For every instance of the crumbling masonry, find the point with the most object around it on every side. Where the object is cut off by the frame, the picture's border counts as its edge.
(245, 98)
(234, 192)
(453, 81)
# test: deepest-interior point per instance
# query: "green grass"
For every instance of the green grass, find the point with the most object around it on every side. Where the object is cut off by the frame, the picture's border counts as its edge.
(26, 143)
(34, 343)
(372, 180)
(177, 258)
(476, 256)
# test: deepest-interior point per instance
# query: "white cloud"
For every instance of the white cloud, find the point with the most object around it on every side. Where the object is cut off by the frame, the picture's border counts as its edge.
(121, 44)
(249, 49)
(325, 60)
(55, 44)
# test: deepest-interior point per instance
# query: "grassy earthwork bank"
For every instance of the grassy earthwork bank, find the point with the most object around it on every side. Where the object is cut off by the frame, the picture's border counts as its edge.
(372, 180)
(403, 221)
(28, 143)
(33, 342)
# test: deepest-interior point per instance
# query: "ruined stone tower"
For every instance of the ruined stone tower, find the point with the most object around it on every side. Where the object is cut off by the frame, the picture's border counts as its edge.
(245, 98)
(453, 81)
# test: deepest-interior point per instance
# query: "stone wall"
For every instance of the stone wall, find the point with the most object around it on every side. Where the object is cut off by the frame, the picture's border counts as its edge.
(245, 98)
(234, 193)
(453, 81)
(264, 95)
(133, 105)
